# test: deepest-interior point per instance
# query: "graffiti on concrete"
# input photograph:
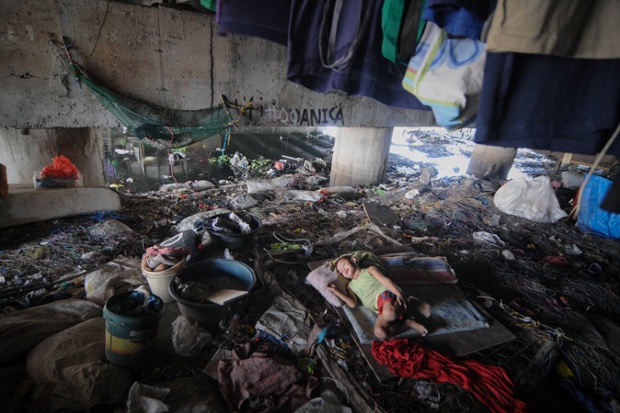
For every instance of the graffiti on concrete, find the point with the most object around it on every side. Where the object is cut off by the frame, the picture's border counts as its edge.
(305, 117)
(272, 114)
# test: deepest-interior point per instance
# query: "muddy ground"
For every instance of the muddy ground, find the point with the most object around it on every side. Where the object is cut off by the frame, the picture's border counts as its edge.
(542, 300)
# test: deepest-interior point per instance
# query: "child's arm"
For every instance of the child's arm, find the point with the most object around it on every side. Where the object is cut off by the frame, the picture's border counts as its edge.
(349, 297)
(388, 284)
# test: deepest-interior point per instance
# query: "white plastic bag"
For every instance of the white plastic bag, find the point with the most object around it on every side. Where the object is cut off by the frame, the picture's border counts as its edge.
(188, 339)
(531, 198)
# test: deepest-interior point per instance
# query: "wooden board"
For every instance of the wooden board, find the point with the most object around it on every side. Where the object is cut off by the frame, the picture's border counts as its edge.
(381, 215)
(221, 297)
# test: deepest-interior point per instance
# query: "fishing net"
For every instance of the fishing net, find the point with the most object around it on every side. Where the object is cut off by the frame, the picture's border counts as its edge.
(154, 125)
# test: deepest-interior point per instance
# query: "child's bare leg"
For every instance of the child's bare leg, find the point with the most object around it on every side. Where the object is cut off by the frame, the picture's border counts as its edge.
(385, 329)
(418, 306)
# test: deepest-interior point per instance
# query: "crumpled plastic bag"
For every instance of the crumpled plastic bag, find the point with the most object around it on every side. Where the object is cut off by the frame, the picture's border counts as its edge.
(531, 198)
(144, 398)
(488, 238)
(61, 168)
(188, 339)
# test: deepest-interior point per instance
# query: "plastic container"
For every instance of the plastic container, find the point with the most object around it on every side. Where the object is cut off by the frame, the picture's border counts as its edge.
(159, 280)
(130, 340)
(238, 241)
(209, 315)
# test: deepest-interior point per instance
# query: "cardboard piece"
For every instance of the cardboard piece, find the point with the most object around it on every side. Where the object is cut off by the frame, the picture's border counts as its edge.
(221, 297)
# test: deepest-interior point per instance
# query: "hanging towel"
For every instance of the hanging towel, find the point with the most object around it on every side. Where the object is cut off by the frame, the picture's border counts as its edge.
(489, 384)
(446, 74)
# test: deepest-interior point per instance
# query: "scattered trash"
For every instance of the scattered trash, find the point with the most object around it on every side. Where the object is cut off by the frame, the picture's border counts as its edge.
(412, 194)
(572, 250)
(58, 295)
(188, 339)
(144, 398)
(137, 304)
(427, 392)
(110, 229)
(557, 261)
(508, 255)
(488, 238)
(494, 221)
(595, 268)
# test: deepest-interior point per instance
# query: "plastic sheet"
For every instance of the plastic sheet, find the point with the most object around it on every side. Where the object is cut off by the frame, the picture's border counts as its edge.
(591, 218)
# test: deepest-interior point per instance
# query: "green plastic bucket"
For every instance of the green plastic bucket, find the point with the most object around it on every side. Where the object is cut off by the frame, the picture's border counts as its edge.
(130, 340)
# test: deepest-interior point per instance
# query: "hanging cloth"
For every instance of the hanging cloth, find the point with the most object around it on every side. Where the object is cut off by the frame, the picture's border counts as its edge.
(367, 72)
(446, 74)
(400, 21)
(265, 19)
(568, 28)
(489, 384)
(331, 58)
(463, 18)
(548, 102)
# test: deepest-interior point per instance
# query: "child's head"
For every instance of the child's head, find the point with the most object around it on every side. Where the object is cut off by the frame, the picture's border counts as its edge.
(346, 267)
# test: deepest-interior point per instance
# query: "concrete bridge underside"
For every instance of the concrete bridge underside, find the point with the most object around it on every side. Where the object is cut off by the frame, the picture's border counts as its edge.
(171, 58)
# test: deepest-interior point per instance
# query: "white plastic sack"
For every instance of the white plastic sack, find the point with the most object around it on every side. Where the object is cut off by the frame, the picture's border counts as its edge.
(531, 198)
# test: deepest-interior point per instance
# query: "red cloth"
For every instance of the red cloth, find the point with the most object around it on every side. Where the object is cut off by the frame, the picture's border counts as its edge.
(489, 384)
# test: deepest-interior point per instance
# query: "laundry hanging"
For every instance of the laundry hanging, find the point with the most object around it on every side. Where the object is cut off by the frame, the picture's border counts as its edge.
(446, 74)
(402, 28)
(460, 18)
(367, 74)
(570, 28)
(547, 102)
(265, 19)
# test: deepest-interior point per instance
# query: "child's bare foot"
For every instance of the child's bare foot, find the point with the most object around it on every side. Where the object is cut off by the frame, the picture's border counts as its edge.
(417, 326)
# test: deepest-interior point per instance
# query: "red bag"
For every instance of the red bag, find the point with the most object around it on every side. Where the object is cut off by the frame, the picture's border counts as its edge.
(62, 168)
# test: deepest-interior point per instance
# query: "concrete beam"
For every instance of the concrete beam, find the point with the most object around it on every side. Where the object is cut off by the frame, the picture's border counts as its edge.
(491, 162)
(24, 206)
(164, 56)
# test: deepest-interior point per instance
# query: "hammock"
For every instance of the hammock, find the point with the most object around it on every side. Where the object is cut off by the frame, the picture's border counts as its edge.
(156, 126)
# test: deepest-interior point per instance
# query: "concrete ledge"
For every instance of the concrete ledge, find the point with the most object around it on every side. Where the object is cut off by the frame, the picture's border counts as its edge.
(24, 206)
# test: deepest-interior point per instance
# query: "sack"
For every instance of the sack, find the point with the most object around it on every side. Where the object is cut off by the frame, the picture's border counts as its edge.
(531, 198)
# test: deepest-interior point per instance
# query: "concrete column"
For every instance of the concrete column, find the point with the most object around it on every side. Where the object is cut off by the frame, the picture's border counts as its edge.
(26, 151)
(360, 156)
(491, 162)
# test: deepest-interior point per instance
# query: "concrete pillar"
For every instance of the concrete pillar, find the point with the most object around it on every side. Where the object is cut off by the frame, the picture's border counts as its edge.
(491, 162)
(360, 156)
(26, 151)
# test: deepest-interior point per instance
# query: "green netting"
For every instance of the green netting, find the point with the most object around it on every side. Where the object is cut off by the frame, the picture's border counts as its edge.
(156, 126)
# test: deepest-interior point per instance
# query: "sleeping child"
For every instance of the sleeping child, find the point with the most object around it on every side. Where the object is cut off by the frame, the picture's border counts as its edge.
(369, 286)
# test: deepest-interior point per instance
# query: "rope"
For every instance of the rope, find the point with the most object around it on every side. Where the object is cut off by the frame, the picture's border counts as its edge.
(233, 124)
(573, 214)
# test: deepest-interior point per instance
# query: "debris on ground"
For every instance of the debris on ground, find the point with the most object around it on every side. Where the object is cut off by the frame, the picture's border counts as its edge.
(553, 286)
